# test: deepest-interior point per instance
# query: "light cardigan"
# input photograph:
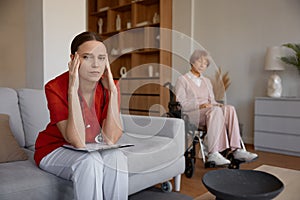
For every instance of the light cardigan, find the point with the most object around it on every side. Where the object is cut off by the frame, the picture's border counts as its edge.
(190, 95)
(217, 119)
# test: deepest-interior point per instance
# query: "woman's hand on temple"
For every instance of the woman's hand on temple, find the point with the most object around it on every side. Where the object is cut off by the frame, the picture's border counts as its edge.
(73, 72)
(107, 78)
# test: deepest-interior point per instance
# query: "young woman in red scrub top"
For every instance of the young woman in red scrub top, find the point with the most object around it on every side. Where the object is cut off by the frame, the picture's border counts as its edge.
(84, 108)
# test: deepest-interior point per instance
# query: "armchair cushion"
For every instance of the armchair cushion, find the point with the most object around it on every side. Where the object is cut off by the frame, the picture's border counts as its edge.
(151, 153)
(158, 142)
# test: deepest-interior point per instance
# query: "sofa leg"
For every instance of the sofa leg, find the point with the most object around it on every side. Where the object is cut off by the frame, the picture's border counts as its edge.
(177, 182)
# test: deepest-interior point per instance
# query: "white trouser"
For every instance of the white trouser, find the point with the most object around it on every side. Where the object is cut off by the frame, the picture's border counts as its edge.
(95, 175)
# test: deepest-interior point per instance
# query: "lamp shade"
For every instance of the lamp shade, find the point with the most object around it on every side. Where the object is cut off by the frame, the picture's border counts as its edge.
(272, 60)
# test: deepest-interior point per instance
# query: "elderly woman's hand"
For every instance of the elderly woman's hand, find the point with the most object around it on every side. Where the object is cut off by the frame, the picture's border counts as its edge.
(205, 105)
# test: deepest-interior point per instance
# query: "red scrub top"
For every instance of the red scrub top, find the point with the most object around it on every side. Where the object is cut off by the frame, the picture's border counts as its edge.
(57, 97)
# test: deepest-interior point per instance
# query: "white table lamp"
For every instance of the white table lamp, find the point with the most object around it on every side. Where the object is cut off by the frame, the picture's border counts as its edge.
(273, 63)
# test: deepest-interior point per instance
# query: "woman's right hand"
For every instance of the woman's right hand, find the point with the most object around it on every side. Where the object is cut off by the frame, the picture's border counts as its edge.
(73, 129)
(73, 72)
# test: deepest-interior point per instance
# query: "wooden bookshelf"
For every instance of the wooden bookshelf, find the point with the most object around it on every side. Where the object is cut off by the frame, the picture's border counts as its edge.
(143, 38)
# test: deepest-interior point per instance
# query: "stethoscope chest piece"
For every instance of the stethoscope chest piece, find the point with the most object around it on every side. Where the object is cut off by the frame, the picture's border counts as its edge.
(99, 138)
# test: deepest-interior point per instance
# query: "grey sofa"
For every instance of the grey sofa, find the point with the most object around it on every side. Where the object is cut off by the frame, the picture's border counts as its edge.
(158, 154)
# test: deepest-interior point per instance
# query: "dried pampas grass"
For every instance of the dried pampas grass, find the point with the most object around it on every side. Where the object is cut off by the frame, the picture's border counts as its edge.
(220, 84)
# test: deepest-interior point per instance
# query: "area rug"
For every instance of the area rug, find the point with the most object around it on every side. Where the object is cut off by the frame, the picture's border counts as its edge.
(158, 194)
(289, 177)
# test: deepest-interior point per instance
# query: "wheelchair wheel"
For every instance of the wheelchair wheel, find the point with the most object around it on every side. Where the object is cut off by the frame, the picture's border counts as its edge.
(189, 167)
(235, 164)
(167, 115)
(209, 164)
(166, 186)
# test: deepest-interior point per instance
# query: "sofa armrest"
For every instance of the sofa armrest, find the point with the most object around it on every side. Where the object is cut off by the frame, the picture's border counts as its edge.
(148, 126)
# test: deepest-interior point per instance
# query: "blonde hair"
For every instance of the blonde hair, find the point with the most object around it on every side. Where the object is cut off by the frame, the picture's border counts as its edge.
(198, 54)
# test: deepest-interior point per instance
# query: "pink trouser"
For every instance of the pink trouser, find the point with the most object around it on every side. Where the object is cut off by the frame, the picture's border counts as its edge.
(222, 127)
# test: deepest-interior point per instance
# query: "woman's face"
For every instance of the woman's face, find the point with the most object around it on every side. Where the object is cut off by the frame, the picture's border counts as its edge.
(92, 55)
(200, 65)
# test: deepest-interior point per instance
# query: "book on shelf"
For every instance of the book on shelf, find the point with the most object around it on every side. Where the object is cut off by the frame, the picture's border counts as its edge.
(103, 9)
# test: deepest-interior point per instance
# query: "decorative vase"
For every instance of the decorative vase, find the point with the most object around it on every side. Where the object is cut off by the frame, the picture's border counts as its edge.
(118, 23)
(150, 71)
(123, 72)
(100, 25)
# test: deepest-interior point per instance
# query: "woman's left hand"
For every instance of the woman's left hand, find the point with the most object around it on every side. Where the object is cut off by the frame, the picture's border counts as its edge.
(205, 105)
(107, 78)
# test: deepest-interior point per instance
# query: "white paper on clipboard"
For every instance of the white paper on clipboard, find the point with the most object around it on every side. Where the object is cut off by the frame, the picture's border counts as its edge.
(90, 147)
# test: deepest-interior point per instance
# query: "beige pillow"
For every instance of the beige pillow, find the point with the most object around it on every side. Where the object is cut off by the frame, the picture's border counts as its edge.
(9, 147)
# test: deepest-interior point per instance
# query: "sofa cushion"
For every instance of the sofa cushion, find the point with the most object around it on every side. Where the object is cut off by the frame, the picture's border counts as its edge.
(9, 147)
(34, 113)
(9, 106)
(149, 153)
(24, 180)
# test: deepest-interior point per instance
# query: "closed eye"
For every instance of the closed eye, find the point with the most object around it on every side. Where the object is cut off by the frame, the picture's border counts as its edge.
(87, 57)
(102, 58)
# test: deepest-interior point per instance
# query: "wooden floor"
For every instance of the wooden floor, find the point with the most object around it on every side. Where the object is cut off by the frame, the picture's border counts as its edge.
(193, 186)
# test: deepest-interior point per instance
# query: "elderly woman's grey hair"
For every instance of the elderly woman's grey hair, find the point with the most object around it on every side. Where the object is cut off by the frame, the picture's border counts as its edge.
(198, 53)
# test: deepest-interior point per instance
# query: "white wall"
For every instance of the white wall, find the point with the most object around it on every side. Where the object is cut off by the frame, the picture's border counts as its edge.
(34, 44)
(12, 43)
(237, 33)
(35, 37)
(62, 20)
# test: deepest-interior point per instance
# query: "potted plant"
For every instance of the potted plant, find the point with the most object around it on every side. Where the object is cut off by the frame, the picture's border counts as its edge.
(293, 59)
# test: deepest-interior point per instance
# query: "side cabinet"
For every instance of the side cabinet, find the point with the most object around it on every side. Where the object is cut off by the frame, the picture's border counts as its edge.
(277, 125)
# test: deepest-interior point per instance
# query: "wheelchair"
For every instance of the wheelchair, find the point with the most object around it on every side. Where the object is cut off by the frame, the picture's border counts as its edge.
(195, 135)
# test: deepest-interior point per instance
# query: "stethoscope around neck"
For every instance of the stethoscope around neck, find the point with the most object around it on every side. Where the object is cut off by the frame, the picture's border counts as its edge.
(99, 138)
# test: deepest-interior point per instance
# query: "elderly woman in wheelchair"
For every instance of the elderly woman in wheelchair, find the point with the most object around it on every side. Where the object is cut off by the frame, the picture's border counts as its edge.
(195, 94)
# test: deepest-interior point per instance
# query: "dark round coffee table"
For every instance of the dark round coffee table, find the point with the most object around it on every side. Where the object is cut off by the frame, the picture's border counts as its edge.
(236, 184)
